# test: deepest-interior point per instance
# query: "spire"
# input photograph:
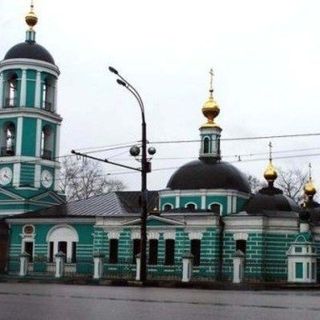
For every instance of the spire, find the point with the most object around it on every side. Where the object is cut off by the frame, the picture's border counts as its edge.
(31, 20)
(309, 188)
(210, 108)
(270, 174)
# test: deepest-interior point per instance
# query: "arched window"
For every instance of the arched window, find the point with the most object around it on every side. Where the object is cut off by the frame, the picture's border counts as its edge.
(206, 143)
(8, 139)
(191, 206)
(11, 97)
(47, 143)
(215, 208)
(167, 207)
(64, 239)
(47, 94)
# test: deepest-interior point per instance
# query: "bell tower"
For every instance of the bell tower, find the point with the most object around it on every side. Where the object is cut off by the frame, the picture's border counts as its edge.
(29, 126)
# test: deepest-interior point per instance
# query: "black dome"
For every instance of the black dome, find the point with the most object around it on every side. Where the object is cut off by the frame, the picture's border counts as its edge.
(29, 50)
(208, 174)
(271, 199)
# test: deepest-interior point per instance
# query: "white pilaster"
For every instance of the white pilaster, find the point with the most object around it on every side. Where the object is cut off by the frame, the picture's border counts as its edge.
(37, 176)
(37, 98)
(57, 141)
(203, 202)
(55, 97)
(234, 204)
(229, 204)
(23, 92)
(16, 174)
(56, 179)
(178, 201)
(19, 136)
(38, 138)
(1, 90)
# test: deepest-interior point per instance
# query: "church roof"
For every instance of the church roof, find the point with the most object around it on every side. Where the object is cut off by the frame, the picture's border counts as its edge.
(29, 50)
(208, 174)
(271, 199)
(109, 204)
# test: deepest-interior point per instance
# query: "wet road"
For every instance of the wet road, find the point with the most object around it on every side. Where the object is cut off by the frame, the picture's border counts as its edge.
(43, 301)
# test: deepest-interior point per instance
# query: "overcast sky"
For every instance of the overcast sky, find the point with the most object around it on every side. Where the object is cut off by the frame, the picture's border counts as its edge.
(265, 55)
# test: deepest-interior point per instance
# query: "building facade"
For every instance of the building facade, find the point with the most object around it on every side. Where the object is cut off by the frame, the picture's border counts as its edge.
(205, 225)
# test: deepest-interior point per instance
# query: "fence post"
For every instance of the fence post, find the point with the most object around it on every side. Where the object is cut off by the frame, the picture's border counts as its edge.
(138, 266)
(187, 264)
(98, 265)
(60, 257)
(24, 260)
(238, 266)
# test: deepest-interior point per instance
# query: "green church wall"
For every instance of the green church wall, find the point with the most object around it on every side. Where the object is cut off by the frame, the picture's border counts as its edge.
(29, 137)
(222, 200)
(167, 200)
(27, 175)
(184, 200)
(31, 88)
(241, 203)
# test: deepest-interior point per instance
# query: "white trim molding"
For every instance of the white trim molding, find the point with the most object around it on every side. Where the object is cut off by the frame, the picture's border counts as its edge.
(240, 236)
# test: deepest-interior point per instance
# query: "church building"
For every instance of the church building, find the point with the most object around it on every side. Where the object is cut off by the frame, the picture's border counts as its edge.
(205, 225)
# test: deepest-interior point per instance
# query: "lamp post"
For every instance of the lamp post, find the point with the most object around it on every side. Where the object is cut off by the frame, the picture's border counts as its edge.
(145, 168)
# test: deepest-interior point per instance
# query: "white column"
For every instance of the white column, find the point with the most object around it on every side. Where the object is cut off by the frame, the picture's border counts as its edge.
(238, 268)
(23, 92)
(178, 201)
(55, 97)
(56, 179)
(37, 176)
(19, 136)
(57, 141)
(38, 138)
(24, 260)
(59, 265)
(203, 202)
(98, 266)
(16, 174)
(229, 200)
(1, 90)
(138, 267)
(37, 98)
(69, 251)
(187, 268)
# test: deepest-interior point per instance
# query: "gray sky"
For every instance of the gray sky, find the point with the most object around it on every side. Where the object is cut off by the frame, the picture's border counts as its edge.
(265, 55)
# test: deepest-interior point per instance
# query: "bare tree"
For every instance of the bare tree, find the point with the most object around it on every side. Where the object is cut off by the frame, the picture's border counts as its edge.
(82, 179)
(291, 182)
(255, 183)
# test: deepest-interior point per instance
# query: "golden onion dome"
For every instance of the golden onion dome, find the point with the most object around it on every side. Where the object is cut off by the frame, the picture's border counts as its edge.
(270, 174)
(210, 110)
(309, 188)
(31, 18)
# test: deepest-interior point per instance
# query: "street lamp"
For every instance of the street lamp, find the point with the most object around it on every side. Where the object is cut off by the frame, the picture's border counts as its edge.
(145, 168)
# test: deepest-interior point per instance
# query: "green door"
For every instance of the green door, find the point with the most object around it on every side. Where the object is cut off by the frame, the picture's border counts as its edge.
(299, 270)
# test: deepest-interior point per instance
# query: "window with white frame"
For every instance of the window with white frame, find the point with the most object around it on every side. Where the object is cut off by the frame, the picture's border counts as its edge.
(63, 239)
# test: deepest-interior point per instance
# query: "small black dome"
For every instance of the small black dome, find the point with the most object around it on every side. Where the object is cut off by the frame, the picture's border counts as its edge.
(208, 174)
(29, 50)
(270, 199)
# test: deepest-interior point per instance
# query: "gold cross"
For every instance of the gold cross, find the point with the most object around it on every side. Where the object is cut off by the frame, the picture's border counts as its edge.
(270, 151)
(211, 82)
(310, 171)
